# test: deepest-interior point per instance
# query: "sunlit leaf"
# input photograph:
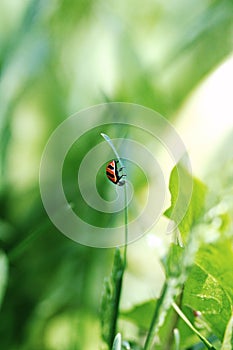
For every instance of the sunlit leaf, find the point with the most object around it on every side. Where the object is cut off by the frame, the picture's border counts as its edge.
(217, 260)
(203, 293)
(185, 211)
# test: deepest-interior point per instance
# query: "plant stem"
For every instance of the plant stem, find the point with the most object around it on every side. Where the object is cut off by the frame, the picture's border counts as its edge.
(107, 138)
(190, 325)
(176, 334)
(115, 314)
(173, 324)
(150, 336)
(117, 342)
(119, 282)
(120, 279)
(126, 224)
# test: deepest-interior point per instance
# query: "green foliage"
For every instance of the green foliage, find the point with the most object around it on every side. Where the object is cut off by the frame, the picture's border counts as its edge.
(205, 270)
(202, 292)
(178, 262)
(216, 259)
(110, 300)
(57, 57)
(187, 199)
(141, 314)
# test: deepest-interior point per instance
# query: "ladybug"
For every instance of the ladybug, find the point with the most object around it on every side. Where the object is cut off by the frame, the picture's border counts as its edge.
(113, 173)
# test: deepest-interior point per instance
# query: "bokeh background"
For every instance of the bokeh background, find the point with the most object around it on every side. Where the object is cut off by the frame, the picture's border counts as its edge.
(56, 58)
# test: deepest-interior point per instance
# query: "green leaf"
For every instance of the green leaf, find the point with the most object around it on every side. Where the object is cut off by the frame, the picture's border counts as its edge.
(228, 336)
(216, 259)
(110, 300)
(141, 314)
(3, 274)
(203, 293)
(187, 199)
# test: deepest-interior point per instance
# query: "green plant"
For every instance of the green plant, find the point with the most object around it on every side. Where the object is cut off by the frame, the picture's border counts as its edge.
(59, 57)
(196, 299)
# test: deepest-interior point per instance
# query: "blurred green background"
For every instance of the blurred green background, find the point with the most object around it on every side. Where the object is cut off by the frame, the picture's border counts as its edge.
(56, 58)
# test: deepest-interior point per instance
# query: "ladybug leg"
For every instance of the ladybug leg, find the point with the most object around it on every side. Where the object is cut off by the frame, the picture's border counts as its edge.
(117, 161)
(121, 177)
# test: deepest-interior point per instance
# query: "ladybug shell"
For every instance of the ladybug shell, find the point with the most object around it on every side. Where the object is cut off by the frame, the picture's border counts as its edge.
(111, 172)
